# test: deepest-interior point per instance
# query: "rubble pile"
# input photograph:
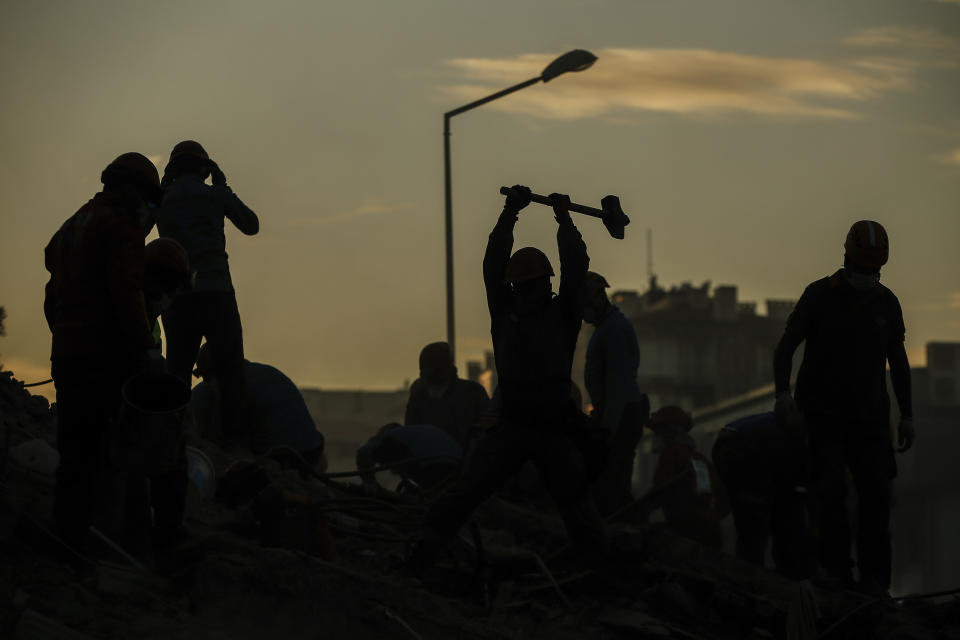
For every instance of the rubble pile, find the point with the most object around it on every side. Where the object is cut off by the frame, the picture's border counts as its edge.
(278, 554)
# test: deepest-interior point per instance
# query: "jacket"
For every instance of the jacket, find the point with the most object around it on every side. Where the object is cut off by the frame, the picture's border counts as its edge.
(94, 302)
(192, 213)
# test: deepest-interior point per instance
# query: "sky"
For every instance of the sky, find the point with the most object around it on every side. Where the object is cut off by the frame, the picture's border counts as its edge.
(748, 135)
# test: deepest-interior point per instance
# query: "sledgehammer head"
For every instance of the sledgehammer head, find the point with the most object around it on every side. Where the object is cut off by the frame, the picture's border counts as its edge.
(614, 219)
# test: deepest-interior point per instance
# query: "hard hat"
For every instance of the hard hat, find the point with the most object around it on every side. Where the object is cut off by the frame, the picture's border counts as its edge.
(867, 245)
(593, 281)
(134, 169)
(526, 264)
(166, 255)
(671, 416)
(188, 149)
(436, 357)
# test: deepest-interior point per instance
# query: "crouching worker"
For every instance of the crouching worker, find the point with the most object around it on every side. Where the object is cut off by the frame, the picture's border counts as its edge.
(421, 454)
(95, 310)
(276, 414)
(764, 471)
(688, 489)
(534, 335)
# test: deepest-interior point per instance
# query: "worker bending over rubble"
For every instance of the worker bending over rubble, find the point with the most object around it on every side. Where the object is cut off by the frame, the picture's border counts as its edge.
(419, 453)
(440, 398)
(276, 413)
(534, 335)
(610, 375)
(852, 326)
(192, 213)
(690, 496)
(94, 306)
(764, 469)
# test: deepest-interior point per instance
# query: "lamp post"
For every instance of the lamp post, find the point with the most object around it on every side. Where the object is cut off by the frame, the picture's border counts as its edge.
(576, 60)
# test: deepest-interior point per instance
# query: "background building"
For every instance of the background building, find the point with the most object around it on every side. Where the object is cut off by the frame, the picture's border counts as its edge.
(697, 349)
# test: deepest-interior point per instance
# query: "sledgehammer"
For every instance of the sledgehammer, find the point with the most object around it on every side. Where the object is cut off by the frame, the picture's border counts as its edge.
(614, 219)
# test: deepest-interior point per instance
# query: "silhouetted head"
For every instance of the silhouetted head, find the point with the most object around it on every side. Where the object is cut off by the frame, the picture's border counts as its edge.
(436, 364)
(166, 267)
(866, 250)
(187, 158)
(669, 424)
(593, 297)
(528, 274)
(134, 177)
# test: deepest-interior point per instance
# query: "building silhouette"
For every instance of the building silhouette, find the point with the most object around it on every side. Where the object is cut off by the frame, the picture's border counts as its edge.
(697, 347)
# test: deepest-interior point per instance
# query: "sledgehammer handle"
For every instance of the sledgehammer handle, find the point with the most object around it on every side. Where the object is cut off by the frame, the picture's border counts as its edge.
(539, 199)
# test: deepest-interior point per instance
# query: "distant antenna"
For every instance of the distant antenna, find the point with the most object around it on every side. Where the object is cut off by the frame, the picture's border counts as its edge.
(649, 254)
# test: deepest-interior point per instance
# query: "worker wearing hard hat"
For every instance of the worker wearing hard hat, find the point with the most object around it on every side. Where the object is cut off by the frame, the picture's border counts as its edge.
(853, 327)
(534, 334)
(94, 306)
(192, 213)
(157, 503)
(610, 374)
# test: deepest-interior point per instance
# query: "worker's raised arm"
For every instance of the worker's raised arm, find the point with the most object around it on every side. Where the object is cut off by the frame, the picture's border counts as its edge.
(242, 217)
(574, 260)
(499, 247)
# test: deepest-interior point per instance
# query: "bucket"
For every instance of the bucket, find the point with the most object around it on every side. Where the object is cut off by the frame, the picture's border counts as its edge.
(149, 437)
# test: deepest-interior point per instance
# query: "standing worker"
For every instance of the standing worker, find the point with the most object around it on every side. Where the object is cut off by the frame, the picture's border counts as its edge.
(610, 374)
(440, 398)
(534, 335)
(192, 213)
(853, 326)
(94, 306)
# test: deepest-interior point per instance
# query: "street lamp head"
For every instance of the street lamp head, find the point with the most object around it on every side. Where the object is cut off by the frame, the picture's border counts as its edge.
(576, 60)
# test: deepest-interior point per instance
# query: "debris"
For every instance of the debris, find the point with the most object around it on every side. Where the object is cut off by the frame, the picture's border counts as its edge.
(36, 456)
(36, 626)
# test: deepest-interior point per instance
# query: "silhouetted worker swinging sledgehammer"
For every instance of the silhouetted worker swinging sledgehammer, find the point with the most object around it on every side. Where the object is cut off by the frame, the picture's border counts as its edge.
(614, 219)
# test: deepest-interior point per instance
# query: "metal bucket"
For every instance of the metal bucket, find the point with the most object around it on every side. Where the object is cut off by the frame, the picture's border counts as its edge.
(150, 431)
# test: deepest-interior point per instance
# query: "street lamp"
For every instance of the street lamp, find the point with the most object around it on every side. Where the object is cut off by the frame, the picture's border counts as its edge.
(576, 60)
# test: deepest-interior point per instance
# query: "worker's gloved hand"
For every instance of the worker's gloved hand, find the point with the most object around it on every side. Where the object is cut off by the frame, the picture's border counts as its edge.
(906, 433)
(217, 176)
(561, 206)
(519, 199)
(787, 414)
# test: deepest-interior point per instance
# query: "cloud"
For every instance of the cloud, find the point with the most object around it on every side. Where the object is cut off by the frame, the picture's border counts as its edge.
(369, 207)
(922, 46)
(903, 37)
(683, 81)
